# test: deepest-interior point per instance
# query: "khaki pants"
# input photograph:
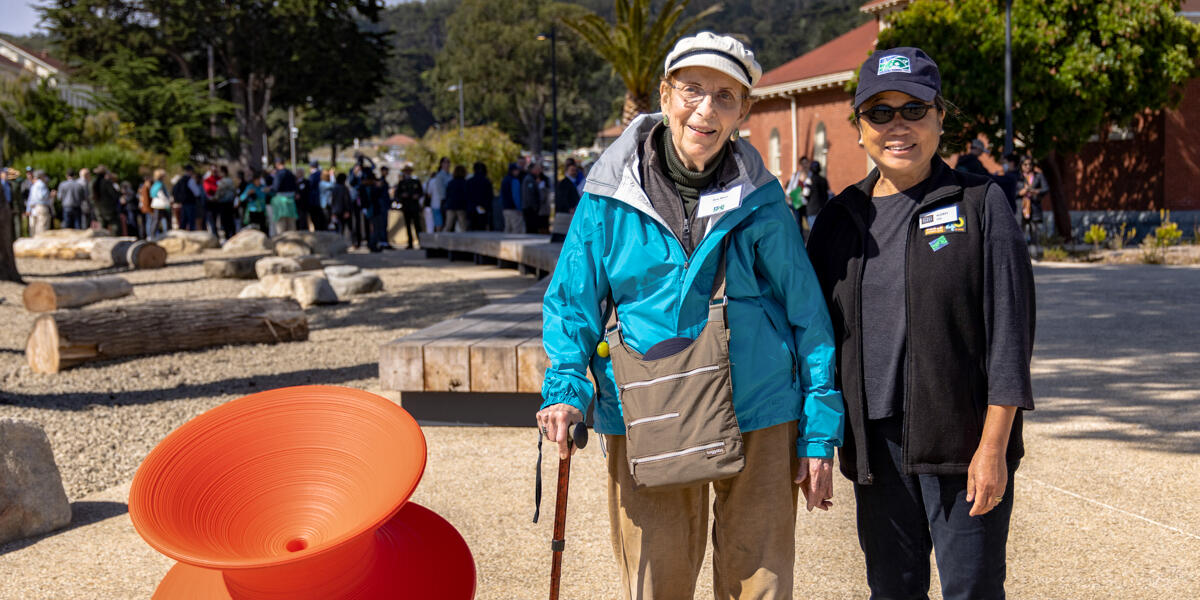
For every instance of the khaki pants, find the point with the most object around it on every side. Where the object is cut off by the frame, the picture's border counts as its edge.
(39, 220)
(659, 536)
(514, 221)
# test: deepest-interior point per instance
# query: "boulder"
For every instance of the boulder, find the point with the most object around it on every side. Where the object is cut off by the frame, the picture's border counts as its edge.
(305, 287)
(178, 241)
(359, 283)
(32, 499)
(322, 243)
(273, 265)
(249, 240)
(240, 267)
(310, 289)
(335, 271)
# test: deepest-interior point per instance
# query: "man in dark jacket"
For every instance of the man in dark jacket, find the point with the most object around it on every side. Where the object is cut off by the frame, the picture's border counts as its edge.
(106, 199)
(312, 200)
(479, 198)
(181, 194)
(510, 200)
(566, 198)
(408, 196)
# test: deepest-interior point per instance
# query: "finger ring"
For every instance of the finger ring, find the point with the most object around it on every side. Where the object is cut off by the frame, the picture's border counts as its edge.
(998, 499)
(544, 432)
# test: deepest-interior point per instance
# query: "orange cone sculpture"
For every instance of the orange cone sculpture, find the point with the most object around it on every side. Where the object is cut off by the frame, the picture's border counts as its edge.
(297, 493)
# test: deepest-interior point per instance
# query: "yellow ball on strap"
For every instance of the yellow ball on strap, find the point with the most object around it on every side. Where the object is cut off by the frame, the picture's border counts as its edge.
(602, 349)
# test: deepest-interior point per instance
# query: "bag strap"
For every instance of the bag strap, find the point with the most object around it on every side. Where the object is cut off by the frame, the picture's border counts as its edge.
(717, 298)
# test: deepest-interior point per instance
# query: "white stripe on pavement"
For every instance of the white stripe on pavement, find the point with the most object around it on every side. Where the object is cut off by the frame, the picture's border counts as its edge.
(1109, 506)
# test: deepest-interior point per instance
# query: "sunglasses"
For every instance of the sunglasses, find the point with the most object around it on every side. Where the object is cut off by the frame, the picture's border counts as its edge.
(882, 114)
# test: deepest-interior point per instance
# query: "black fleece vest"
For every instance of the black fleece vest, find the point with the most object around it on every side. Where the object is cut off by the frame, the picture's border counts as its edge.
(946, 383)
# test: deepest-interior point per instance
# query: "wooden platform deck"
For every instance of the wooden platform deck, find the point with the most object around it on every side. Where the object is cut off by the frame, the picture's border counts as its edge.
(527, 252)
(493, 349)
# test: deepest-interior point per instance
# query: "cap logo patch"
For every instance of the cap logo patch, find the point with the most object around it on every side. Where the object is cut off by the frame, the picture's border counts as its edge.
(894, 64)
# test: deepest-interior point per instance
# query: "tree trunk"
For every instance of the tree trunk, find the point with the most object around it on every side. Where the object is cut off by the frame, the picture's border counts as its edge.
(634, 106)
(8, 261)
(66, 338)
(1062, 214)
(45, 296)
(129, 252)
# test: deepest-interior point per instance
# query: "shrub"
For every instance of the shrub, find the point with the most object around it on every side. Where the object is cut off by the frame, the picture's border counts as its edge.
(1154, 249)
(486, 144)
(1095, 235)
(1125, 234)
(1055, 254)
(127, 164)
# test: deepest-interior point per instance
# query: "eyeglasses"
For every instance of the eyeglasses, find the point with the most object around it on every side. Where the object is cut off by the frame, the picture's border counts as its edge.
(693, 95)
(882, 114)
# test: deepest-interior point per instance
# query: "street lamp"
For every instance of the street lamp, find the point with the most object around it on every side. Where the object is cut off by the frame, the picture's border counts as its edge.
(1008, 113)
(553, 37)
(458, 88)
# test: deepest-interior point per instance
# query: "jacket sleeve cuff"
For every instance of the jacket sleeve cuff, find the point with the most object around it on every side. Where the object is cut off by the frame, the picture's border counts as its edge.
(814, 449)
(562, 388)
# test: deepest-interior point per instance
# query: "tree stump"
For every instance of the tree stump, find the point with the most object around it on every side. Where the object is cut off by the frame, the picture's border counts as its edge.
(66, 338)
(45, 296)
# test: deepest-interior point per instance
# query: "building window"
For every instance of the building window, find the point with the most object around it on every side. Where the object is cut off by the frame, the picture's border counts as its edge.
(821, 147)
(774, 152)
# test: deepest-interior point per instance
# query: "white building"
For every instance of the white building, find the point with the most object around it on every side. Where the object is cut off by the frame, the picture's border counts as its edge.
(16, 60)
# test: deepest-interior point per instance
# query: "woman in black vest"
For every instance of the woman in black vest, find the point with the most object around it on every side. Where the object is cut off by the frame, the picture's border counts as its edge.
(930, 289)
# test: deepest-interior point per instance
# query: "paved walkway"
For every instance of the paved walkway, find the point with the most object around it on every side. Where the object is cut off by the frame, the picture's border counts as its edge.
(1106, 501)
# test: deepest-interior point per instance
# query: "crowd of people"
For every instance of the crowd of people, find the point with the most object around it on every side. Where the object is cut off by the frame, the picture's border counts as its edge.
(364, 205)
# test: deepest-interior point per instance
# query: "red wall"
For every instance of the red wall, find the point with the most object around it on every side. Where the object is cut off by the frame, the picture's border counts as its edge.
(846, 162)
(1181, 153)
(1118, 174)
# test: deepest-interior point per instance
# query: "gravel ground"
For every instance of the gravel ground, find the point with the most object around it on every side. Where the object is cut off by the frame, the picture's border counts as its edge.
(1105, 499)
(104, 417)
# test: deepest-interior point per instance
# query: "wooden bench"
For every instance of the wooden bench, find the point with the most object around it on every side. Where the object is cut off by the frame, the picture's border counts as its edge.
(531, 253)
(493, 349)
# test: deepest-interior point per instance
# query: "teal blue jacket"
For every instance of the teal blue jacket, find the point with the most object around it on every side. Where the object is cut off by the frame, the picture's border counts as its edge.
(781, 339)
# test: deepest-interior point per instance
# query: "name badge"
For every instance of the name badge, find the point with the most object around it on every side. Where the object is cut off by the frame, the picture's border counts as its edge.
(937, 217)
(720, 202)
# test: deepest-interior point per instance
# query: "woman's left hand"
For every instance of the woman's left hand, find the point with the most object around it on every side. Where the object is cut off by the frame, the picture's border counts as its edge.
(816, 481)
(986, 480)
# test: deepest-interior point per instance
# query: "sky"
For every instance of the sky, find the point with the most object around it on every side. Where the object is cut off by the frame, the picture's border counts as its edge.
(17, 17)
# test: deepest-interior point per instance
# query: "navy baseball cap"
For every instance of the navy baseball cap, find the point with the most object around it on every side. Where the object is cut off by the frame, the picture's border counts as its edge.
(907, 70)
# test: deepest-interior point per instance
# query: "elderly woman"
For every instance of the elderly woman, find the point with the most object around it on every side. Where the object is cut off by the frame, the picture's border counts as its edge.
(683, 245)
(931, 293)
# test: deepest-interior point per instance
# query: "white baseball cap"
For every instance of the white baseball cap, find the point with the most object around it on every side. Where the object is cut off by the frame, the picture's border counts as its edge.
(719, 52)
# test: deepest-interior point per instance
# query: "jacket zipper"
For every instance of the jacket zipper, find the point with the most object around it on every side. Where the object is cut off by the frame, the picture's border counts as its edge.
(677, 453)
(653, 419)
(862, 381)
(672, 377)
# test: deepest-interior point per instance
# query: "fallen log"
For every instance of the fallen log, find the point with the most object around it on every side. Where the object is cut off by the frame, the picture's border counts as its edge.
(45, 296)
(63, 339)
(128, 252)
(241, 267)
(59, 247)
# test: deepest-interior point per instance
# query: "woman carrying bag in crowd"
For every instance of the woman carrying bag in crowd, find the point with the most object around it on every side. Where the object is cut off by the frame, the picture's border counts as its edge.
(930, 290)
(684, 236)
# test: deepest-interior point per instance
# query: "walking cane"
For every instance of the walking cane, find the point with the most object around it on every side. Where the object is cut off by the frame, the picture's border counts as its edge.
(577, 437)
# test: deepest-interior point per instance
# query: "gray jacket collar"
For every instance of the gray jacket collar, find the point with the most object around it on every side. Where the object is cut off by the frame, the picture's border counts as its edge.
(617, 174)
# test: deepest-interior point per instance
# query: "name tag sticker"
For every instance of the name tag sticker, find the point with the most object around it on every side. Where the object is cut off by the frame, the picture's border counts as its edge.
(720, 202)
(937, 217)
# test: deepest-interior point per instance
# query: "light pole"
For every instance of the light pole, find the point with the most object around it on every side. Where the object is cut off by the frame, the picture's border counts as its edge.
(553, 37)
(458, 88)
(1008, 113)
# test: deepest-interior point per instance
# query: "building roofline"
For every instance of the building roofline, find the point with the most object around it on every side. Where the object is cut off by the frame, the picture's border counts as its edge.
(48, 62)
(877, 6)
(803, 86)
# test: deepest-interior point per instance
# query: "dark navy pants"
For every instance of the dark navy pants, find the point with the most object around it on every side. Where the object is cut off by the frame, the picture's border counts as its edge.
(902, 517)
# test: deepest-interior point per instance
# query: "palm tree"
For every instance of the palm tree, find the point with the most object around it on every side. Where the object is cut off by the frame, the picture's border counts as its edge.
(637, 44)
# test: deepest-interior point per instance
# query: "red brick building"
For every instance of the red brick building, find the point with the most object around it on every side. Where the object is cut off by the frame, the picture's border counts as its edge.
(802, 109)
